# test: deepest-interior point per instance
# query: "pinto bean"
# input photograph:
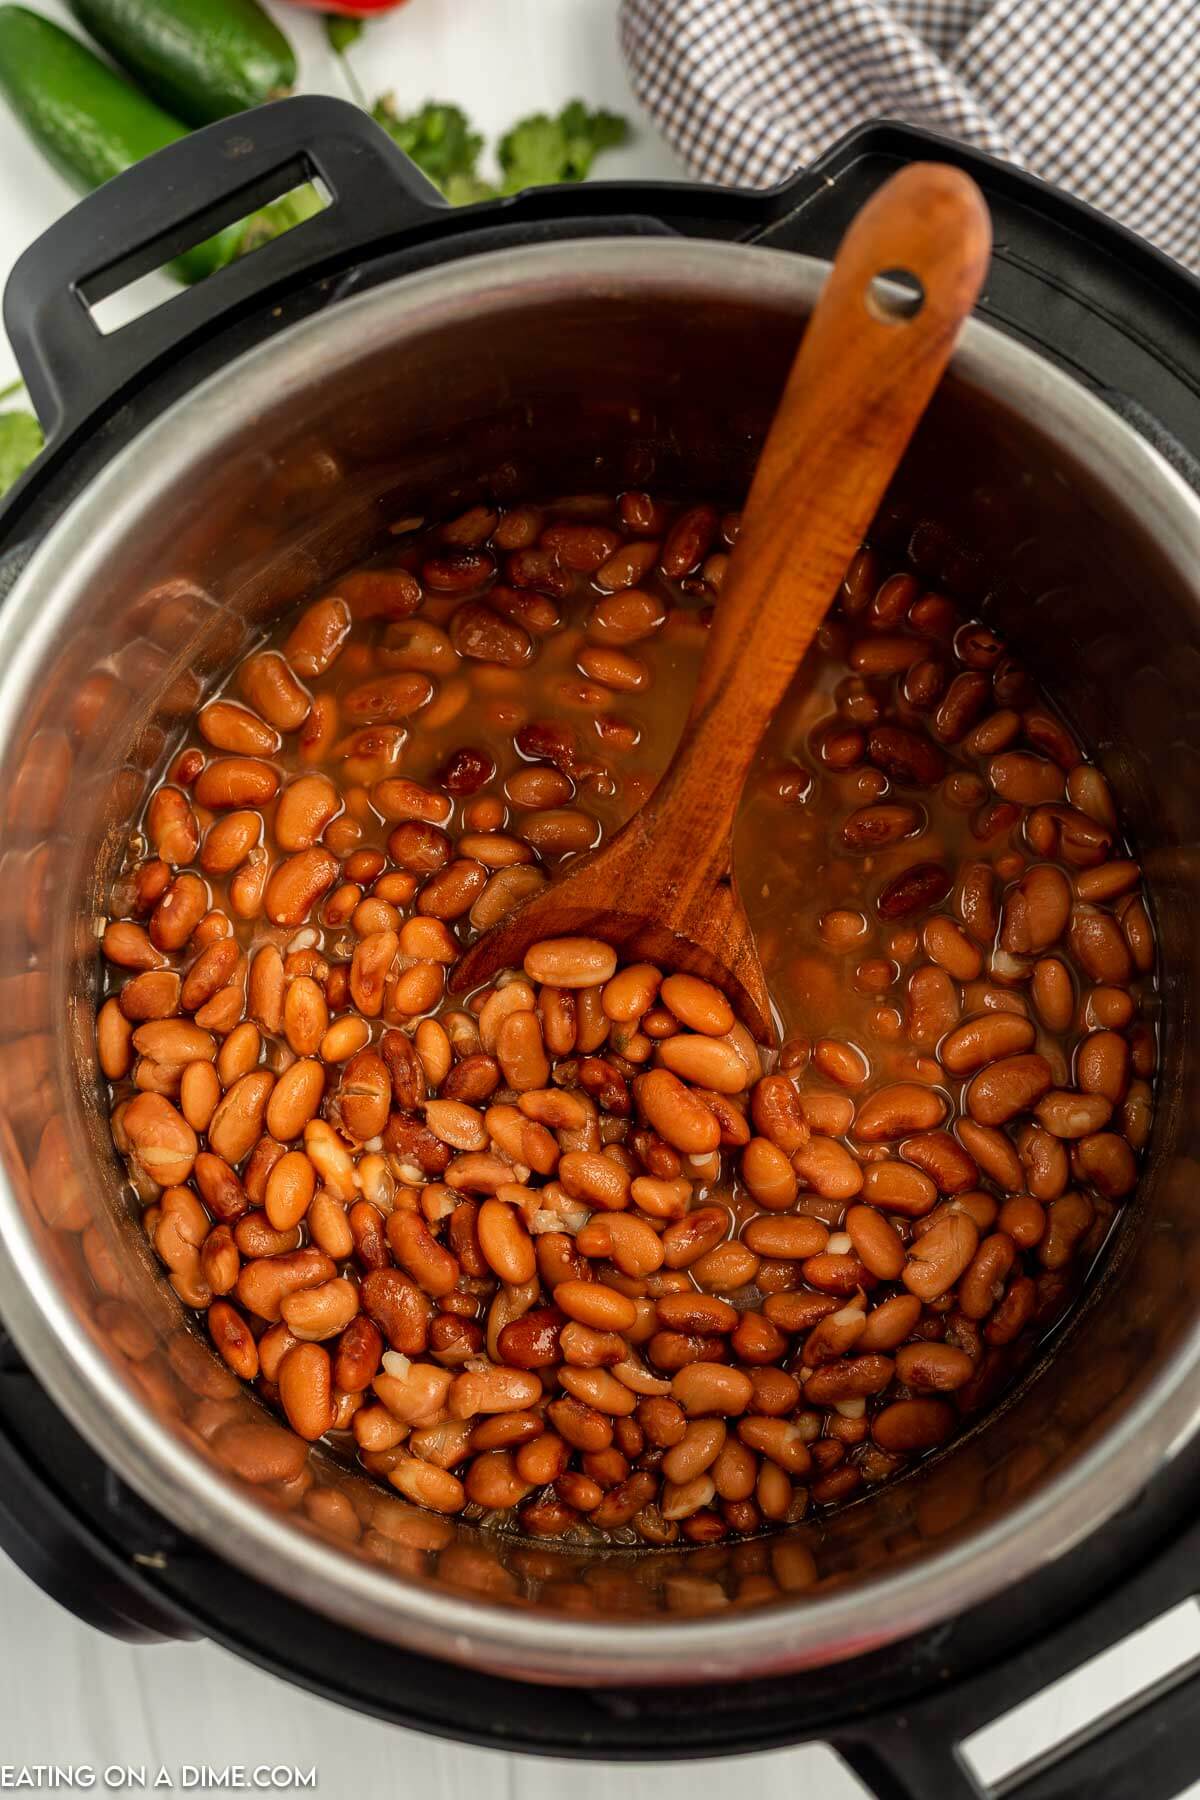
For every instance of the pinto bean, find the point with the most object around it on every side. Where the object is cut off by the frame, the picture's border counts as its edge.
(235, 781)
(575, 1248)
(889, 1323)
(1008, 1087)
(1036, 911)
(986, 1039)
(907, 756)
(912, 1425)
(828, 1168)
(1097, 944)
(768, 1174)
(897, 1187)
(937, 1259)
(939, 1156)
(871, 827)
(1073, 1115)
(676, 1113)
(266, 1282)
(1102, 1065)
(1106, 1162)
(893, 1112)
(975, 900)
(161, 1142)
(982, 1285)
(876, 1242)
(1029, 780)
(776, 1109)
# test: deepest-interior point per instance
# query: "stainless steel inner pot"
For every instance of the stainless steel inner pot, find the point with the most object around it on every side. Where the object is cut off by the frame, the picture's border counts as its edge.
(539, 370)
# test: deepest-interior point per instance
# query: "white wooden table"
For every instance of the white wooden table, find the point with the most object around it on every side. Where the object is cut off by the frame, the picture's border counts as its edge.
(67, 1694)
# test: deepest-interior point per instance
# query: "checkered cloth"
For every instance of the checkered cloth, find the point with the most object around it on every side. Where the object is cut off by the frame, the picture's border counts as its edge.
(1101, 97)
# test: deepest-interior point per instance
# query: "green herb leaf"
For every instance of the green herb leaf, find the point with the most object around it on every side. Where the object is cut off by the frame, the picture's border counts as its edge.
(537, 150)
(20, 440)
(280, 216)
(342, 32)
(540, 149)
(438, 138)
(467, 190)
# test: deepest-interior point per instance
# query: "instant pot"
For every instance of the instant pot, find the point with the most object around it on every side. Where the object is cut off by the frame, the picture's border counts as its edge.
(207, 468)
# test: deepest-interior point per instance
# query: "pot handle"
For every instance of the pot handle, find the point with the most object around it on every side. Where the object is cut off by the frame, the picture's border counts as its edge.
(176, 199)
(1109, 308)
(1145, 1747)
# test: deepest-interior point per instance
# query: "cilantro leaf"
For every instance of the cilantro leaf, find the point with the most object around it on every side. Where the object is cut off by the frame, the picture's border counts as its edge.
(20, 440)
(537, 150)
(540, 149)
(438, 138)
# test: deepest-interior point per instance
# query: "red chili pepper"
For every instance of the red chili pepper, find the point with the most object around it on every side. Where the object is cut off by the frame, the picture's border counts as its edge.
(349, 9)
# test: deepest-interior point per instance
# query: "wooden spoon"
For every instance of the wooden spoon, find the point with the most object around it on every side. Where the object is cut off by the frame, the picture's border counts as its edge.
(661, 888)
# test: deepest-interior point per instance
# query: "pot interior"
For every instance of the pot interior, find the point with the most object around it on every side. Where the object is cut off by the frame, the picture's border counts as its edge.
(634, 367)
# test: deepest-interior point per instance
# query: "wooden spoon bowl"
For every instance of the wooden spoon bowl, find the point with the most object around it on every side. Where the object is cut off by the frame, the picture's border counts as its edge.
(662, 889)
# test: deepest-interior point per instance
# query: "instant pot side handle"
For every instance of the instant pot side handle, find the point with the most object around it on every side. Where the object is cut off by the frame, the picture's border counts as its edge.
(1140, 1748)
(1095, 298)
(179, 197)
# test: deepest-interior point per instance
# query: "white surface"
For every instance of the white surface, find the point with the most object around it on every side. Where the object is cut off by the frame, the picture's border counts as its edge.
(70, 1696)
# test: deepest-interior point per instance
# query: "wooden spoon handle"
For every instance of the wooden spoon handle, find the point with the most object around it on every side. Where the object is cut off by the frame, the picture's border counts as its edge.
(861, 381)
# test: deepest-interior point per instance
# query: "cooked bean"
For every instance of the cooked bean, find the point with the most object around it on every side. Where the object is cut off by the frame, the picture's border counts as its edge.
(594, 1304)
(896, 1110)
(1106, 1162)
(948, 945)
(828, 1168)
(777, 1111)
(227, 726)
(570, 962)
(986, 1039)
(1097, 943)
(791, 1235)
(1036, 911)
(983, 1284)
(706, 1387)
(767, 1173)
(1007, 1088)
(676, 1113)
(898, 1187)
(314, 1314)
(889, 1323)
(876, 1242)
(1073, 1115)
(1044, 1159)
(943, 1160)
(871, 827)
(1053, 993)
(576, 1247)
(303, 810)
(506, 1243)
(708, 1062)
(161, 1142)
(697, 1004)
(937, 1259)
(1102, 1065)
(1029, 780)
(850, 1379)
(908, 1425)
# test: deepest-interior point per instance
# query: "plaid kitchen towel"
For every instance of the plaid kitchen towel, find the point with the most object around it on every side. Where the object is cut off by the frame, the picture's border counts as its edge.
(1101, 97)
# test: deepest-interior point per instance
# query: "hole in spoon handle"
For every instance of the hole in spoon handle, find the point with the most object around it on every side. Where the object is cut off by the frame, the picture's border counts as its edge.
(895, 296)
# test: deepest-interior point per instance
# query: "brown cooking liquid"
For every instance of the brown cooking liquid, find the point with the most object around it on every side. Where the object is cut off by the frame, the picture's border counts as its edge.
(845, 945)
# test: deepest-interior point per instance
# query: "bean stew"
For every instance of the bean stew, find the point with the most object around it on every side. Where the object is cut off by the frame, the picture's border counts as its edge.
(575, 1256)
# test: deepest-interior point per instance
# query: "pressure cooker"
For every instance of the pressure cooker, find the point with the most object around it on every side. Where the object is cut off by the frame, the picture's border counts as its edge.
(538, 341)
